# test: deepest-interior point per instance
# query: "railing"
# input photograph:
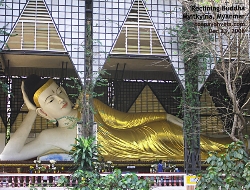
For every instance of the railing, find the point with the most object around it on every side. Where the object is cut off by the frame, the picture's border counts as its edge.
(23, 181)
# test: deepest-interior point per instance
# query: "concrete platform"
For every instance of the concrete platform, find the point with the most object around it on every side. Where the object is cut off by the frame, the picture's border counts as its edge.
(174, 188)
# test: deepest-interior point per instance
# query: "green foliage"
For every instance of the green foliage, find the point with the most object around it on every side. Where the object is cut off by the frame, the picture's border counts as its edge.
(88, 91)
(189, 40)
(88, 180)
(4, 87)
(76, 85)
(37, 188)
(62, 181)
(228, 171)
(84, 153)
(195, 59)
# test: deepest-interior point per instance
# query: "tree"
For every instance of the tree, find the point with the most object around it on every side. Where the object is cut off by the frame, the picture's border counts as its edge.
(213, 40)
(221, 29)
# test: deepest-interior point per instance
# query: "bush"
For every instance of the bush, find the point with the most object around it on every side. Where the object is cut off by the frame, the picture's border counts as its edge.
(84, 154)
(227, 171)
(91, 180)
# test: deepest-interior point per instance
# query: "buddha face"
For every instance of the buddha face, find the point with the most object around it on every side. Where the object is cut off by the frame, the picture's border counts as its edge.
(54, 101)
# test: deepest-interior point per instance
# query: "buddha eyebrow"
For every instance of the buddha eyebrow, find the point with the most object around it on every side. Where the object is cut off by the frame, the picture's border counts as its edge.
(58, 88)
(53, 92)
(48, 97)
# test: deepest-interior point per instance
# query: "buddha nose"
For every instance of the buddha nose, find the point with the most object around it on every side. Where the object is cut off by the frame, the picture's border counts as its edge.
(59, 99)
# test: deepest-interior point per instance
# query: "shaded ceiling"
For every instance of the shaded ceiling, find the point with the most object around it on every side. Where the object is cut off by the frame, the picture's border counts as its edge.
(138, 49)
(137, 64)
(146, 67)
(35, 46)
(48, 64)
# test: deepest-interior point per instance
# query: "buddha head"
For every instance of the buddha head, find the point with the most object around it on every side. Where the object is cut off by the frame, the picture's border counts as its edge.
(51, 100)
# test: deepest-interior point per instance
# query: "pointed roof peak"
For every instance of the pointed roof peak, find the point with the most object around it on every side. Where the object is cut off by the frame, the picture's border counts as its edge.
(138, 35)
(35, 30)
(142, 104)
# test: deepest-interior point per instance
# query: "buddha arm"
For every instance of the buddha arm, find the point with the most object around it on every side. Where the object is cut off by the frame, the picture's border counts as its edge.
(18, 139)
(121, 120)
(175, 120)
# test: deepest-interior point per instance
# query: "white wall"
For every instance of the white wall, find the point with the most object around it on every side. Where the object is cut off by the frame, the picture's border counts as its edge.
(2, 141)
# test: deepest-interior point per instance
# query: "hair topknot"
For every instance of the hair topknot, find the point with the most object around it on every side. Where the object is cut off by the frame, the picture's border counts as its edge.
(31, 84)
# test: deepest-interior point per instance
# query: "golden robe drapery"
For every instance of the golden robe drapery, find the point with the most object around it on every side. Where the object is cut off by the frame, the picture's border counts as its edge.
(144, 136)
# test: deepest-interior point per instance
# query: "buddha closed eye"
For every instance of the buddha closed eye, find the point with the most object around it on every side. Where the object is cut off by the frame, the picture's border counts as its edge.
(59, 90)
(50, 100)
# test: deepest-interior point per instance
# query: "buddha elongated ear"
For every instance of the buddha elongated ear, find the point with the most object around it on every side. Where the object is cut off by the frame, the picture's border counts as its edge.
(40, 112)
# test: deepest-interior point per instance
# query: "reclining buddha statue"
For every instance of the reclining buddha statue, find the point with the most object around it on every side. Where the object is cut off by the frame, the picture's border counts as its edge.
(123, 136)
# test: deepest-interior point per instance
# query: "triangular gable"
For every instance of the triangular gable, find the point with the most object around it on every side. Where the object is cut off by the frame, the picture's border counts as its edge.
(2, 127)
(35, 30)
(211, 123)
(138, 34)
(146, 102)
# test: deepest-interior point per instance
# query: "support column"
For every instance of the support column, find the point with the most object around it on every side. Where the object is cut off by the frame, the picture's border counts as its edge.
(87, 115)
(191, 127)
